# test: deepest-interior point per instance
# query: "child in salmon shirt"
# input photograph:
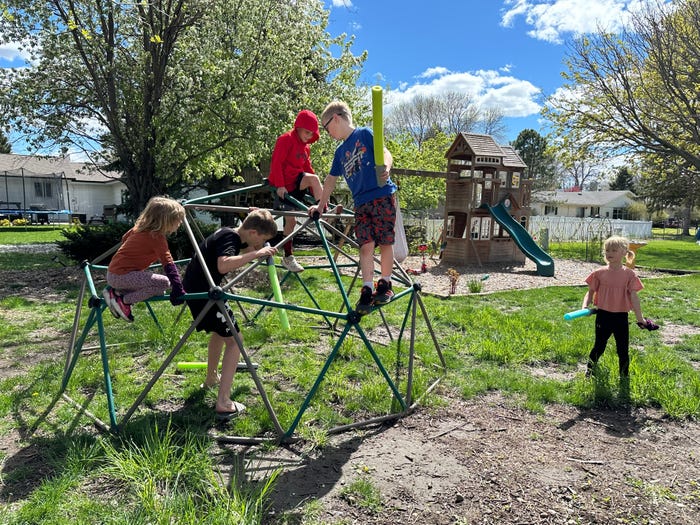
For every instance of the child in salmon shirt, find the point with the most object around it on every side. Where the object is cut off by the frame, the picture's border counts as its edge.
(128, 276)
(612, 290)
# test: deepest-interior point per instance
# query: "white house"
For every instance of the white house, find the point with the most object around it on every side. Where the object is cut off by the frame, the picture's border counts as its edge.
(605, 204)
(55, 189)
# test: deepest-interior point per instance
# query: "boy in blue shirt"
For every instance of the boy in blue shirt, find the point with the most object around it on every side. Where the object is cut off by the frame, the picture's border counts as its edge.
(375, 203)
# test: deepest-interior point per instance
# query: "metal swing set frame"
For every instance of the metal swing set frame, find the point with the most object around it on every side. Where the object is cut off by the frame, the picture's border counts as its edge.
(341, 322)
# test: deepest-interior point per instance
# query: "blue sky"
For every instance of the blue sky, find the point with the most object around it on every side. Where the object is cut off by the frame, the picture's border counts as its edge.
(506, 53)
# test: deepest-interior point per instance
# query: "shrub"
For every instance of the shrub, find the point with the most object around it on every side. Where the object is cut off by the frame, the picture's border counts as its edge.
(5, 222)
(20, 222)
(87, 241)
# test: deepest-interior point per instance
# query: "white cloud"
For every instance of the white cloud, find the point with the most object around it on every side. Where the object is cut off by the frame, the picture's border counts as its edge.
(434, 72)
(11, 52)
(554, 20)
(341, 3)
(513, 96)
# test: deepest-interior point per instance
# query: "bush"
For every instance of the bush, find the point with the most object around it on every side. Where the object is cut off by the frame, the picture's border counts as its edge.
(5, 223)
(87, 242)
(20, 222)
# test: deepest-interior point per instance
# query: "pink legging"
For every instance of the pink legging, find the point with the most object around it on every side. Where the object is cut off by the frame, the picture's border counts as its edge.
(138, 286)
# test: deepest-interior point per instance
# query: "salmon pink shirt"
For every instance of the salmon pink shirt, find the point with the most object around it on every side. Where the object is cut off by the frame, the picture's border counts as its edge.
(612, 288)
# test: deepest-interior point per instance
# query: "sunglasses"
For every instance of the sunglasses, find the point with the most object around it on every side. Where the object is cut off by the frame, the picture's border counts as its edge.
(325, 126)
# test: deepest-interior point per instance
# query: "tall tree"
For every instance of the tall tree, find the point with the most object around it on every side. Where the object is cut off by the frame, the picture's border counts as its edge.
(536, 154)
(624, 180)
(5, 146)
(492, 123)
(668, 182)
(449, 113)
(637, 91)
(169, 91)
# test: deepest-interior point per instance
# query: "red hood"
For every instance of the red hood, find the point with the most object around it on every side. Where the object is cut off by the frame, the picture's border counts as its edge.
(307, 119)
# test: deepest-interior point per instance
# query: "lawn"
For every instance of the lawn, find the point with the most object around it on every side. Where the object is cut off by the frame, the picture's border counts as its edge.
(159, 468)
(683, 254)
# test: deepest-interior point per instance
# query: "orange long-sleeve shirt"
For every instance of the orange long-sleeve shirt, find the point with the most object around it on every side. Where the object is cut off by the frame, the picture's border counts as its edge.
(138, 251)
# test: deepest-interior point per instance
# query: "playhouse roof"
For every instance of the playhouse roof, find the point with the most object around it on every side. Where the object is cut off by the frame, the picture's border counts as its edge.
(43, 166)
(485, 146)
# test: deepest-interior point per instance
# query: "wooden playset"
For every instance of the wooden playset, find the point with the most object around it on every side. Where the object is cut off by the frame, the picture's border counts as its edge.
(487, 206)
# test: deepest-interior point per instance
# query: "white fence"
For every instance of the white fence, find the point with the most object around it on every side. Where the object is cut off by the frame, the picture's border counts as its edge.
(582, 229)
(560, 228)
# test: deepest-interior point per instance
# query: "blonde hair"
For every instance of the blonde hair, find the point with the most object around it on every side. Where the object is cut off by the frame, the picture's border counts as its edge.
(160, 215)
(336, 107)
(621, 243)
(261, 221)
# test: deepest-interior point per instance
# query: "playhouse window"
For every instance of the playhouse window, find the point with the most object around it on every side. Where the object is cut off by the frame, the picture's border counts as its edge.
(477, 195)
(485, 228)
(450, 226)
(503, 177)
(515, 179)
(475, 228)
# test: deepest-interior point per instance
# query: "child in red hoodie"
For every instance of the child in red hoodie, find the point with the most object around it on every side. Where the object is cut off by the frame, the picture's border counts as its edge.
(291, 172)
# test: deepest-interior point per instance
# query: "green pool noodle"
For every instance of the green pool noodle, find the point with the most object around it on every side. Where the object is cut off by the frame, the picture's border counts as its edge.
(201, 365)
(276, 291)
(378, 125)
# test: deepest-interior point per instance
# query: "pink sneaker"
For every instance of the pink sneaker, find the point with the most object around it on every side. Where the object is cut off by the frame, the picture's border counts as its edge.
(123, 309)
(108, 295)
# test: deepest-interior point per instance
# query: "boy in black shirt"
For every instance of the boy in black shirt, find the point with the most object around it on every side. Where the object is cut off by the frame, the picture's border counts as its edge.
(224, 251)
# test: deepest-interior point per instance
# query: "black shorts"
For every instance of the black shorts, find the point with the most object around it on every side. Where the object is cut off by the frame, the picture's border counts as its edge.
(213, 320)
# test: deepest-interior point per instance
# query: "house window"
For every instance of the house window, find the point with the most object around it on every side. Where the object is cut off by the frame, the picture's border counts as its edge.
(580, 212)
(595, 211)
(619, 213)
(550, 210)
(43, 189)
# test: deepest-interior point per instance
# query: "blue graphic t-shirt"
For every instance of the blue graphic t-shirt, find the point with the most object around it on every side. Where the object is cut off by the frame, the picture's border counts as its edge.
(354, 160)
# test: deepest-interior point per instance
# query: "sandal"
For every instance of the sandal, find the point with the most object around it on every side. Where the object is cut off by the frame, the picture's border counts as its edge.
(226, 416)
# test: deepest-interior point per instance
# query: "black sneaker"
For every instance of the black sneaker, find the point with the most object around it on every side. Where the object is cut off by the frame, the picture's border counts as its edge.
(383, 294)
(364, 305)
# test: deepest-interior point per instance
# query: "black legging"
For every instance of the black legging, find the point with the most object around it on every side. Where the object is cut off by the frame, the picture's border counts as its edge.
(617, 325)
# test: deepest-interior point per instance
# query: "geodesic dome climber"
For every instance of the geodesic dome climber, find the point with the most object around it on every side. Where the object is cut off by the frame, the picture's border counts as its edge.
(399, 331)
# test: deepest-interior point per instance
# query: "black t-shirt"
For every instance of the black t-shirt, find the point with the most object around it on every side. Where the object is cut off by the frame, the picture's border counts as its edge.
(224, 241)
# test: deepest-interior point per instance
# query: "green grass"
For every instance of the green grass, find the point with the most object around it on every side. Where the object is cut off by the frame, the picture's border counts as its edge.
(160, 469)
(681, 254)
(31, 234)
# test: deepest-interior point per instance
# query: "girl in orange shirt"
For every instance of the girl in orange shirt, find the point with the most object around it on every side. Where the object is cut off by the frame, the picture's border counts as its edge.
(146, 243)
(612, 290)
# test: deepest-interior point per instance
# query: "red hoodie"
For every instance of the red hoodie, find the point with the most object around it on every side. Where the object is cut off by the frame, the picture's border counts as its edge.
(291, 156)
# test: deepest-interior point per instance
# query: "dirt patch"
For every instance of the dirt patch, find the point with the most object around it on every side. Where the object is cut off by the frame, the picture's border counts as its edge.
(485, 461)
(482, 461)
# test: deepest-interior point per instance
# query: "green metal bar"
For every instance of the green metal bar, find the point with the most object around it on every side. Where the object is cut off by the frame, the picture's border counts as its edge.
(207, 198)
